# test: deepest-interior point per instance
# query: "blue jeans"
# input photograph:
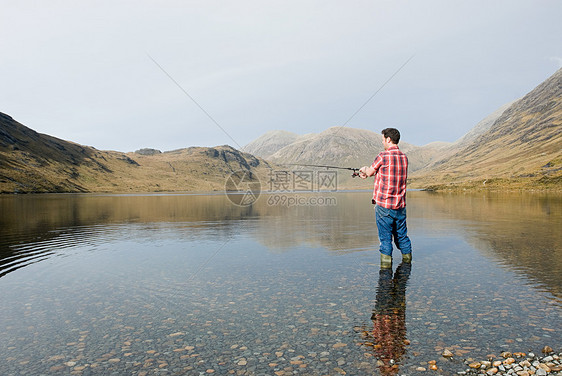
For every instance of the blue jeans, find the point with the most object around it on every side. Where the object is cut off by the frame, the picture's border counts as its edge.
(392, 223)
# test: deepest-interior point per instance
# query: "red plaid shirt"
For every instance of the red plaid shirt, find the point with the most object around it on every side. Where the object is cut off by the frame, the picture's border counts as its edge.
(391, 169)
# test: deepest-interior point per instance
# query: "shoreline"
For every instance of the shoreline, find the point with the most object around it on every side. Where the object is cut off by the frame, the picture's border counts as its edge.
(217, 192)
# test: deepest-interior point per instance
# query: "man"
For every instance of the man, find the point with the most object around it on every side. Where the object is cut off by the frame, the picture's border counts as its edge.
(391, 171)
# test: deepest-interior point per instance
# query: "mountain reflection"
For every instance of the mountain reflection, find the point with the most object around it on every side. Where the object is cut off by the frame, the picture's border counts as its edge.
(35, 227)
(518, 231)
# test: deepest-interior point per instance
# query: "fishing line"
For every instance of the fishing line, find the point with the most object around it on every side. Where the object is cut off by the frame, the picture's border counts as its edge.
(193, 100)
(375, 93)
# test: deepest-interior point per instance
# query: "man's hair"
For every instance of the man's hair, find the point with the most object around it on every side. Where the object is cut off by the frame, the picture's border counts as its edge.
(392, 133)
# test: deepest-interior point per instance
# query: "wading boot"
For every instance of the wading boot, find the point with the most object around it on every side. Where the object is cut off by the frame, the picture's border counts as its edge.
(407, 257)
(386, 261)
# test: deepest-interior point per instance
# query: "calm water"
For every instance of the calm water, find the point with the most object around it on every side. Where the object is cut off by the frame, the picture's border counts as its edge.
(184, 284)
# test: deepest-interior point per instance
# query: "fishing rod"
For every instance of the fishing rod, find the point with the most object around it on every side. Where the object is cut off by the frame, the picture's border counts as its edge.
(354, 174)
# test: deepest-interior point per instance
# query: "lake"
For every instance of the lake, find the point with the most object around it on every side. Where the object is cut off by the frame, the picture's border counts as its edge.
(164, 284)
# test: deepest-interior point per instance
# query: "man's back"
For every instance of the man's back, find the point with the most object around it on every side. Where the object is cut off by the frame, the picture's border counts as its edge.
(391, 168)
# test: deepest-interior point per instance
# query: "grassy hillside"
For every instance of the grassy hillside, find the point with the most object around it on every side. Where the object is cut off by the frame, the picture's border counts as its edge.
(33, 162)
(522, 149)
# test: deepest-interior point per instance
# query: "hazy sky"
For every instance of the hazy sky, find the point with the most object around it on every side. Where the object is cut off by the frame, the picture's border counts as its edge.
(81, 71)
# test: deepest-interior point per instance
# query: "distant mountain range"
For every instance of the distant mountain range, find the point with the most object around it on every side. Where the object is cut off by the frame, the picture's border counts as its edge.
(351, 147)
(34, 162)
(519, 144)
(347, 146)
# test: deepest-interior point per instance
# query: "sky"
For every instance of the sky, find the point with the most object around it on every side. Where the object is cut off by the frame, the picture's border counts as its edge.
(125, 75)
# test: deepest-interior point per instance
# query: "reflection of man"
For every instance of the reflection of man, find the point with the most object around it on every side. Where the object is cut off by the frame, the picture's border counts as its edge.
(391, 171)
(389, 318)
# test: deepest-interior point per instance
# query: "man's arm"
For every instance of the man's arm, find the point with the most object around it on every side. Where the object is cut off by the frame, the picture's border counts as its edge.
(367, 171)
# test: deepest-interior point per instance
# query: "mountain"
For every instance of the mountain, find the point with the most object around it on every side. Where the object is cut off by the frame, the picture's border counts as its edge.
(336, 146)
(521, 148)
(482, 127)
(429, 155)
(270, 142)
(34, 162)
(340, 146)
(333, 146)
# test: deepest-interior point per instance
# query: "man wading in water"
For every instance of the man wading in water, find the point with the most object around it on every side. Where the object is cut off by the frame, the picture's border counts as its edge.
(389, 196)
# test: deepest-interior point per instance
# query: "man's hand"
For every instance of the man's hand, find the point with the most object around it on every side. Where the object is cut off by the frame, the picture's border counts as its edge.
(362, 173)
(365, 172)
